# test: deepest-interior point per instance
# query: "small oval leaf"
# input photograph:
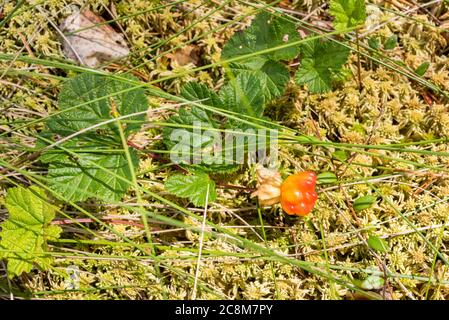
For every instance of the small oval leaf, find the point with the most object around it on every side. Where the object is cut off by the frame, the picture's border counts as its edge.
(378, 244)
(372, 283)
(421, 70)
(326, 177)
(197, 187)
(391, 42)
(374, 43)
(363, 203)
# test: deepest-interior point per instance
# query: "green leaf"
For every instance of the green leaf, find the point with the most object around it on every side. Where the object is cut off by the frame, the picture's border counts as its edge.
(317, 79)
(348, 13)
(78, 179)
(243, 95)
(374, 43)
(320, 60)
(372, 282)
(273, 76)
(189, 140)
(194, 187)
(378, 244)
(421, 70)
(191, 124)
(255, 63)
(74, 145)
(326, 177)
(340, 155)
(194, 91)
(391, 42)
(25, 233)
(195, 144)
(275, 80)
(364, 202)
(266, 31)
(91, 92)
(84, 102)
(341, 76)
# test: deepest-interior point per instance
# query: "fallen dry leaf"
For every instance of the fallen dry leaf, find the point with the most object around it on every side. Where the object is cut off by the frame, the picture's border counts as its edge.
(93, 44)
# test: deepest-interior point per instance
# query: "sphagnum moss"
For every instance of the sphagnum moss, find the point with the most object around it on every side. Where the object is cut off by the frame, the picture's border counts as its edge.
(390, 109)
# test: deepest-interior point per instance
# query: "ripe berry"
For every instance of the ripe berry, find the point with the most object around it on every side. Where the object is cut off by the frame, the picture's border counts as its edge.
(298, 194)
